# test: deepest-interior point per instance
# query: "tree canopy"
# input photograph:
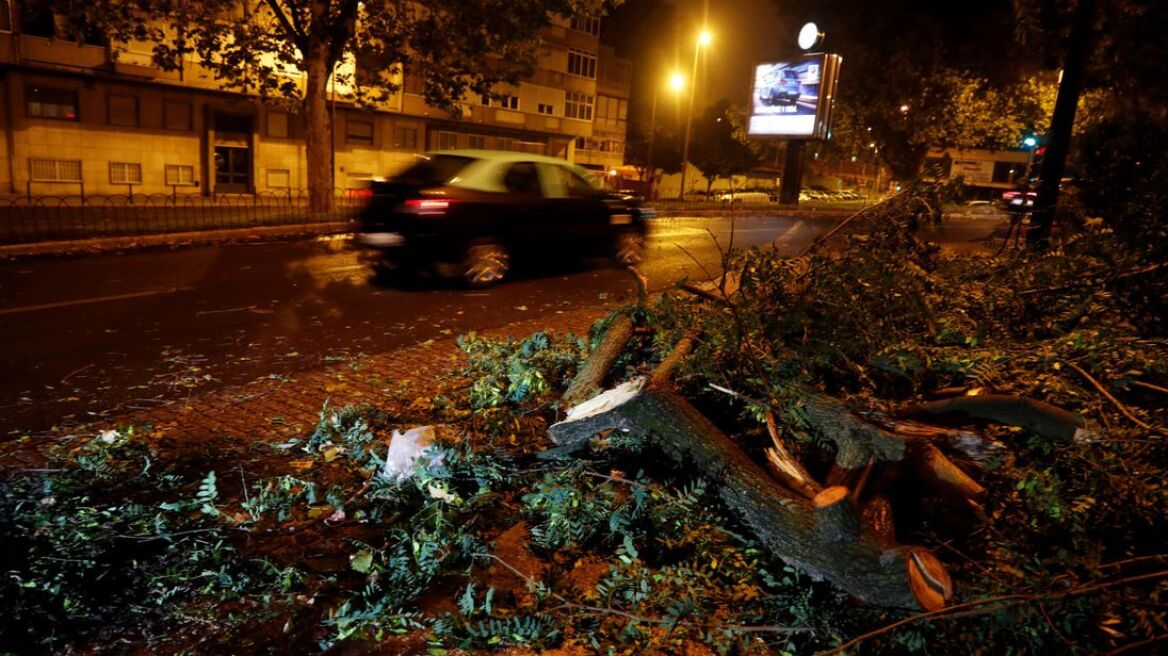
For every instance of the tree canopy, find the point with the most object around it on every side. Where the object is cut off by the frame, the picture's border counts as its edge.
(290, 49)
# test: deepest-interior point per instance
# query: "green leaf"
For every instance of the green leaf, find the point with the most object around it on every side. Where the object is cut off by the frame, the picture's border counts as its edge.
(362, 561)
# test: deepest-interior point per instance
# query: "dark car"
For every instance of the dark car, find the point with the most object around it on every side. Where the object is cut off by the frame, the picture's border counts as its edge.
(786, 89)
(475, 210)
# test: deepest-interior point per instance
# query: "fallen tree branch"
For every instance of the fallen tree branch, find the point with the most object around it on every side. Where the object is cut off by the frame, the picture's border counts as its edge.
(590, 378)
(1149, 386)
(993, 604)
(1041, 417)
(665, 369)
(787, 523)
(702, 293)
(1123, 410)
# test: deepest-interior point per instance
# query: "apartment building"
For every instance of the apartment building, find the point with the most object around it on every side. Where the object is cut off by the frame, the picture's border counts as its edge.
(96, 118)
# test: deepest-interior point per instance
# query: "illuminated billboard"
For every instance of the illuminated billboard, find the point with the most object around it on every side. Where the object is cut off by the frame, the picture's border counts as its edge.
(793, 99)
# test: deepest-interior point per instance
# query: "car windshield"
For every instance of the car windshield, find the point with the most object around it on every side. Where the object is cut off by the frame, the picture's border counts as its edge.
(433, 170)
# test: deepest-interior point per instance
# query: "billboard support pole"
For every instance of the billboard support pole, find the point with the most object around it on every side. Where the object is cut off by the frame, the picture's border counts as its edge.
(792, 172)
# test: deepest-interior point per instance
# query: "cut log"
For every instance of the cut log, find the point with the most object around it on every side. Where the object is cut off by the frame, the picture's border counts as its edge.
(1040, 417)
(938, 472)
(590, 378)
(789, 525)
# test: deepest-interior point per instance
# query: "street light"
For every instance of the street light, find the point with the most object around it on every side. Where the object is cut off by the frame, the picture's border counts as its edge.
(704, 38)
(676, 82)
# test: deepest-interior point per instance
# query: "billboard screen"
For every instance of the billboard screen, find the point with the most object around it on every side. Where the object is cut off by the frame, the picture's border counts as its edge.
(793, 99)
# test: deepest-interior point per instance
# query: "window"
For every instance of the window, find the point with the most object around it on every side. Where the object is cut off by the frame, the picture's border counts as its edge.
(588, 24)
(123, 110)
(578, 105)
(176, 115)
(180, 175)
(533, 147)
(570, 183)
(358, 132)
(506, 102)
(278, 125)
(503, 143)
(550, 110)
(522, 178)
(5, 16)
(476, 141)
(405, 138)
(127, 173)
(582, 63)
(37, 20)
(446, 140)
(55, 170)
(52, 103)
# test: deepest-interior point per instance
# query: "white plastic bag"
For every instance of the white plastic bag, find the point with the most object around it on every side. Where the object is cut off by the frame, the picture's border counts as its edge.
(406, 448)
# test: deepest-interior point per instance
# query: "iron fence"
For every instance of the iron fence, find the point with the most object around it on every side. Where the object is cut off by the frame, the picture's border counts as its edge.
(26, 219)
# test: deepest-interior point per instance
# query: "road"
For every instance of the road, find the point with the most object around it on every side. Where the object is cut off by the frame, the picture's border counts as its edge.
(90, 337)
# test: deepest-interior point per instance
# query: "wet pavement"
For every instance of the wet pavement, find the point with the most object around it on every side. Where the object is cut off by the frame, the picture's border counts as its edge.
(90, 337)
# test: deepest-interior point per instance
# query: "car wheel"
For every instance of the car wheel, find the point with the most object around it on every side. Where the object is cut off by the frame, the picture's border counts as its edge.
(630, 248)
(486, 263)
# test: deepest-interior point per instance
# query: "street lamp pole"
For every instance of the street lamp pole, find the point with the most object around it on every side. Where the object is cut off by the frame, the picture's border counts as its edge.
(703, 40)
(675, 83)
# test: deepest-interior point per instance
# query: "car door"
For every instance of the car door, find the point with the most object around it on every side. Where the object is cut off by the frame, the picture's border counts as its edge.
(524, 215)
(577, 212)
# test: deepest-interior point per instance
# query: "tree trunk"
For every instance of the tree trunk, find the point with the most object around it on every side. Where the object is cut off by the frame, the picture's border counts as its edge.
(824, 539)
(318, 132)
(1058, 140)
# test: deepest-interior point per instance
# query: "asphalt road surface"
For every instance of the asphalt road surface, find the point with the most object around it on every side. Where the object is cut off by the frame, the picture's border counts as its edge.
(82, 338)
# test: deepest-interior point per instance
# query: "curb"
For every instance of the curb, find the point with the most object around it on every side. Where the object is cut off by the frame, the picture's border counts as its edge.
(172, 239)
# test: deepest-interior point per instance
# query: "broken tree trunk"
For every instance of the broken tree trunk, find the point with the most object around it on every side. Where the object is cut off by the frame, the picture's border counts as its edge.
(590, 378)
(823, 540)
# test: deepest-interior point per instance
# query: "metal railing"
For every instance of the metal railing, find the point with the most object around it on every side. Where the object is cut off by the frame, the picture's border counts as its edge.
(26, 219)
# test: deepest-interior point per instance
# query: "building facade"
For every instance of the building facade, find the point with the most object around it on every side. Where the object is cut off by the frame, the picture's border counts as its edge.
(101, 118)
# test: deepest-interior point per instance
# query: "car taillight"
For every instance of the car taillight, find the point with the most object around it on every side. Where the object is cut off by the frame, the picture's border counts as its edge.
(427, 206)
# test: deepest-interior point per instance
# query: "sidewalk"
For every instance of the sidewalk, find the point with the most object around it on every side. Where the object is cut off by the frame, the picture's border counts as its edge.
(401, 382)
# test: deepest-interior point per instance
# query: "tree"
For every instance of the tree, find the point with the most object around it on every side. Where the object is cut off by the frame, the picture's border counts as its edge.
(456, 47)
(720, 149)
(921, 75)
(666, 152)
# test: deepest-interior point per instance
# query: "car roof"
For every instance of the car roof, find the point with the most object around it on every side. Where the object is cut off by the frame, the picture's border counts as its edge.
(487, 167)
(500, 155)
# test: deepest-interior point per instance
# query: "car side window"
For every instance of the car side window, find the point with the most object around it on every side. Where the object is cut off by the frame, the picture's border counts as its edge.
(578, 187)
(522, 178)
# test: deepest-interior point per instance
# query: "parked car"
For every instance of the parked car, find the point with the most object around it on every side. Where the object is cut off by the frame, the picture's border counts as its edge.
(478, 209)
(744, 198)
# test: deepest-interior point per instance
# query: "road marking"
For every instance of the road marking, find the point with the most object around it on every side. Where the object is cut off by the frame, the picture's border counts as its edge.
(95, 299)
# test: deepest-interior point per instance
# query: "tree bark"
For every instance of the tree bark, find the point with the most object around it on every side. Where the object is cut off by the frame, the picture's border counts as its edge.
(1058, 140)
(590, 378)
(318, 131)
(866, 565)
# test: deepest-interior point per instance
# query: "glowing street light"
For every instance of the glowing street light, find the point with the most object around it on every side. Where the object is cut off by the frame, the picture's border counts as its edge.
(676, 82)
(704, 39)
